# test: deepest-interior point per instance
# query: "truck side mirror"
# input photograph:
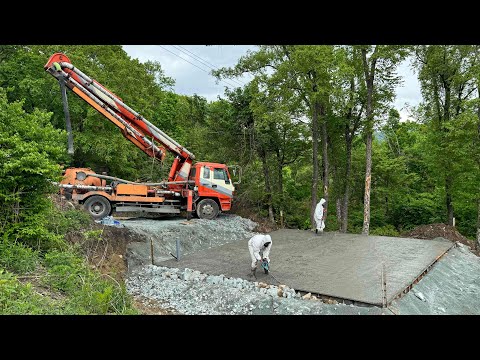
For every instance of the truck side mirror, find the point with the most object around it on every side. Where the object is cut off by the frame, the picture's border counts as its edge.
(234, 170)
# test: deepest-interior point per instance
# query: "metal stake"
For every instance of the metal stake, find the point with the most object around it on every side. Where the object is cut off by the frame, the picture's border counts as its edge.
(151, 251)
(178, 250)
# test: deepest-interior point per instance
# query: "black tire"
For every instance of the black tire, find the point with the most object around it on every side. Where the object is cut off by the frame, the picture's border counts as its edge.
(266, 271)
(207, 209)
(98, 207)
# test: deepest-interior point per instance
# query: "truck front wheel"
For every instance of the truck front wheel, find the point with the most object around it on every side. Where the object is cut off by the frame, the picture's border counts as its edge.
(98, 207)
(207, 209)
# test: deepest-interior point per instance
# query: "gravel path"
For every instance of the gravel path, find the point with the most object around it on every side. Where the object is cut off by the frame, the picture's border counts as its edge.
(190, 292)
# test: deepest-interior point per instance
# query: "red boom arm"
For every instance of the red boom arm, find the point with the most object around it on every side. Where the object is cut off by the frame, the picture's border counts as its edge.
(134, 127)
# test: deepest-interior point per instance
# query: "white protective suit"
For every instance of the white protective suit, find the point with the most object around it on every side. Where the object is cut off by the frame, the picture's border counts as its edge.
(318, 215)
(257, 244)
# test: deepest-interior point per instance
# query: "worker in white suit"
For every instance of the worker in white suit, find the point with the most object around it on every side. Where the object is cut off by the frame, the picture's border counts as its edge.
(319, 216)
(259, 244)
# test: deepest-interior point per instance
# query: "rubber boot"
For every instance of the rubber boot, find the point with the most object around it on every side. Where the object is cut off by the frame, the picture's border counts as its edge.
(253, 272)
(316, 231)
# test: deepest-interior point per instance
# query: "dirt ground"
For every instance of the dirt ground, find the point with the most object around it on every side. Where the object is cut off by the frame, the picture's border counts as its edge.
(432, 231)
(151, 307)
(107, 251)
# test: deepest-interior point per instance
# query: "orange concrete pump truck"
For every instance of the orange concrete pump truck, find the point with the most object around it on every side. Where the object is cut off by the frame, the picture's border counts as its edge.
(201, 188)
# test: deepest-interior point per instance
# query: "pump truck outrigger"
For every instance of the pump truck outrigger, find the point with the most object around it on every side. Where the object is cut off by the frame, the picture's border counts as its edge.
(203, 188)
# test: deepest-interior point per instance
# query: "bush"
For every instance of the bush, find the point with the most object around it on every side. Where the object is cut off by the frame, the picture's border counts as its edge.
(331, 223)
(387, 230)
(30, 149)
(33, 233)
(20, 299)
(62, 222)
(93, 235)
(44, 227)
(88, 292)
(17, 258)
(422, 208)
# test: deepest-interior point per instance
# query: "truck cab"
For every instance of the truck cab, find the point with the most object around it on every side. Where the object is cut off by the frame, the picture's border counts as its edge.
(214, 188)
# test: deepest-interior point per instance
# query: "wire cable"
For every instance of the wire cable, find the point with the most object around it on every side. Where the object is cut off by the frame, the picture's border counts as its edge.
(204, 62)
(193, 64)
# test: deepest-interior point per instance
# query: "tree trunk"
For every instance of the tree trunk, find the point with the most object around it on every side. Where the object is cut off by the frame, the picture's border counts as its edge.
(448, 176)
(477, 243)
(325, 162)
(369, 78)
(280, 179)
(316, 110)
(268, 188)
(349, 134)
(368, 181)
(448, 190)
(339, 211)
(348, 169)
(280, 172)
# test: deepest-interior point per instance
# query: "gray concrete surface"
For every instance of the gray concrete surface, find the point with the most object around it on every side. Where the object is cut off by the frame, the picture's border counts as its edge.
(345, 266)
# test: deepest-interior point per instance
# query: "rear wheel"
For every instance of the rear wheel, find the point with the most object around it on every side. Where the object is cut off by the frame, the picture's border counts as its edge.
(98, 207)
(207, 209)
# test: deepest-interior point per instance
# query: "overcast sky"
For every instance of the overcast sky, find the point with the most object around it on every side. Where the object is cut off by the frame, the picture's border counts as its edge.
(189, 66)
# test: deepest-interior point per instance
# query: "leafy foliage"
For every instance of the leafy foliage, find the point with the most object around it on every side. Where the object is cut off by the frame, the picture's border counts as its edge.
(17, 258)
(88, 292)
(20, 299)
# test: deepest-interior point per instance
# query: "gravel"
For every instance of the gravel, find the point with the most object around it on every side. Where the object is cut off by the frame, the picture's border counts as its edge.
(193, 235)
(190, 292)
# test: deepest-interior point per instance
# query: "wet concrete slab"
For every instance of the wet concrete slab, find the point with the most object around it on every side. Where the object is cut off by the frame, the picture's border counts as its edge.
(346, 266)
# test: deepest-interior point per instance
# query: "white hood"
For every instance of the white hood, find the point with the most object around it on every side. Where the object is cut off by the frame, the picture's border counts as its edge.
(266, 239)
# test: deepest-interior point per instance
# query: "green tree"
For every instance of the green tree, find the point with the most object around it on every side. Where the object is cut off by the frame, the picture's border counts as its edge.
(379, 64)
(30, 151)
(301, 74)
(446, 82)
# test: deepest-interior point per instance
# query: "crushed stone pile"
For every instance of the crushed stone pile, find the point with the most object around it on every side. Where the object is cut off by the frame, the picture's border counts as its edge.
(193, 235)
(191, 292)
